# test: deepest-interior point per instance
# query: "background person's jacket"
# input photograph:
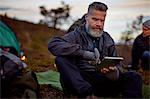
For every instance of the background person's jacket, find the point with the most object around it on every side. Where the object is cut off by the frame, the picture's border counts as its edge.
(140, 45)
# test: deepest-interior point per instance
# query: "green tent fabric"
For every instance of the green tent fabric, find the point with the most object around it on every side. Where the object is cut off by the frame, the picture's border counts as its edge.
(49, 77)
(8, 38)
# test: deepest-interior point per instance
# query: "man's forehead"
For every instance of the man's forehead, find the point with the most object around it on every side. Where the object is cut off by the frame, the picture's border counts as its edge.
(97, 13)
(91, 11)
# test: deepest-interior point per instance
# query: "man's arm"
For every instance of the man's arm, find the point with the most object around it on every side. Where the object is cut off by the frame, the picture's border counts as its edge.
(65, 45)
(110, 45)
(112, 72)
(112, 51)
(135, 56)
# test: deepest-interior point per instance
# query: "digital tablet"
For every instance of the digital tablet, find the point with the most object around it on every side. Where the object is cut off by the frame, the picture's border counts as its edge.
(109, 61)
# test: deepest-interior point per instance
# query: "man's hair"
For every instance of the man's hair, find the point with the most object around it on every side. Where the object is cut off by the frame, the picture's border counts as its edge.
(98, 6)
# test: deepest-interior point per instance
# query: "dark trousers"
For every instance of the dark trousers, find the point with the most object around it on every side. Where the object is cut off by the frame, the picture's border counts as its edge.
(145, 60)
(84, 83)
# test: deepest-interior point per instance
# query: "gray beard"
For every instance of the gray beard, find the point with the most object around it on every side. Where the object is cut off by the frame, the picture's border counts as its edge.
(92, 33)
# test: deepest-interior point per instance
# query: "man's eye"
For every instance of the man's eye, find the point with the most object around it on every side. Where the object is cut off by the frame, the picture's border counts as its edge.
(94, 19)
(145, 29)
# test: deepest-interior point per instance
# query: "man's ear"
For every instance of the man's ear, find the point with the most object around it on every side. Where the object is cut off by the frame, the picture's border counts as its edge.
(86, 16)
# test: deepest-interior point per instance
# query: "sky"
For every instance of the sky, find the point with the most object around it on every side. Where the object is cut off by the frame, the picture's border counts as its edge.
(120, 12)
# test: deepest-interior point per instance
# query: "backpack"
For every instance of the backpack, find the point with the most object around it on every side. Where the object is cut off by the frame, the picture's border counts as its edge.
(11, 65)
(15, 83)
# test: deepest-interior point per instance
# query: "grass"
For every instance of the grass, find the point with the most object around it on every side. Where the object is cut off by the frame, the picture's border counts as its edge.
(146, 91)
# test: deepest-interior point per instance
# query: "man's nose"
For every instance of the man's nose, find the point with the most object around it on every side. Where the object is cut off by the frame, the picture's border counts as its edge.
(99, 24)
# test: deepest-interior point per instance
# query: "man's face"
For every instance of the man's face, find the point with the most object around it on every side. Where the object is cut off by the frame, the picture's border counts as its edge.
(146, 31)
(95, 20)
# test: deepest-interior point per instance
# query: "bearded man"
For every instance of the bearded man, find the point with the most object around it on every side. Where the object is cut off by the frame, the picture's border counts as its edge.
(80, 50)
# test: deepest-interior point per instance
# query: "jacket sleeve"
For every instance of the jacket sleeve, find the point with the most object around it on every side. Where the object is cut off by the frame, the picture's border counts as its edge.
(112, 51)
(110, 46)
(135, 55)
(65, 45)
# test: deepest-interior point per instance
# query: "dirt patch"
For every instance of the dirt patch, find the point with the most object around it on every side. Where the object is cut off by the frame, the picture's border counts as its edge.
(48, 92)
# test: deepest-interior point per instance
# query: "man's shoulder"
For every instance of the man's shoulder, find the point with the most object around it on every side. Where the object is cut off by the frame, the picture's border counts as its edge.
(107, 35)
(76, 32)
(80, 29)
(139, 37)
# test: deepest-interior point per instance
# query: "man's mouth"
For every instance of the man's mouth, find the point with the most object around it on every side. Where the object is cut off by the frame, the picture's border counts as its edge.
(97, 29)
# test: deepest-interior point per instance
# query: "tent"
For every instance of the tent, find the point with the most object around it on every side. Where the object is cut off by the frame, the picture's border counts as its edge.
(8, 38)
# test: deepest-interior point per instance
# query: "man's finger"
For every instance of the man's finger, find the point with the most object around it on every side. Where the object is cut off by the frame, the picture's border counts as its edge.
(113, 68)
(104, 70)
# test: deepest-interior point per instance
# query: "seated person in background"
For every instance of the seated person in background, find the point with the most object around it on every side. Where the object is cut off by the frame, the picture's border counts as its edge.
(141, 48)
(79, 50)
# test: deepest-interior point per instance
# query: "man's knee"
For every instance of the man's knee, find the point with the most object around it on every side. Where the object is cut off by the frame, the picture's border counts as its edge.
(134, 77)
(58, 60)
(146, 55)
(64, 60)
(132, 85)
(145, 60)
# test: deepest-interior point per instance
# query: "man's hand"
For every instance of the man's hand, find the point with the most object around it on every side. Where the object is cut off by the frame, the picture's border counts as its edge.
(111, 72)
(109, 69)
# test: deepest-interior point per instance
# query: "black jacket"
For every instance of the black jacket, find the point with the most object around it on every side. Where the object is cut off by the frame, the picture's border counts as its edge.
(140, 45)
(76, 42)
